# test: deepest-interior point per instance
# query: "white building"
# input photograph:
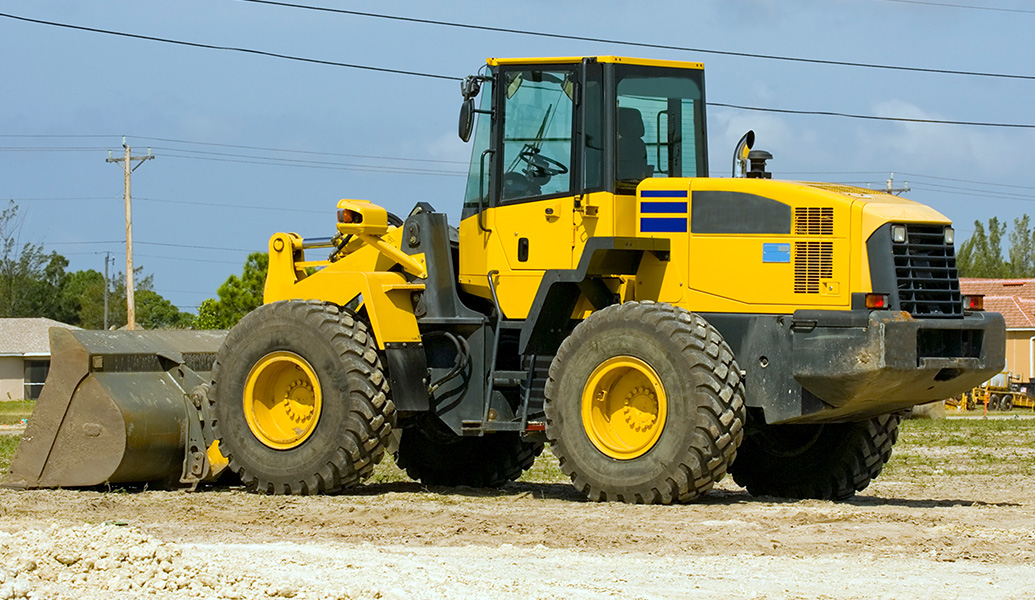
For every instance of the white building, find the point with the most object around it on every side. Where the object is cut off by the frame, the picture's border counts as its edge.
(25, 356)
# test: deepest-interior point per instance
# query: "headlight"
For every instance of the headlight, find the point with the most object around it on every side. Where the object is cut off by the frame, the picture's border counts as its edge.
(950, 236)
(898, 234)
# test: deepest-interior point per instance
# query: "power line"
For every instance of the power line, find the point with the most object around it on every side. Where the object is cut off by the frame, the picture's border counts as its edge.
(946, 5)
(436, 76)
(197, 247)
(873, 117)
(228, 48)
(238, 206)
(311, 152)
(329, 166)
(51, 148)
(1022, 187)
(295, 161)
(61, 199)
(641, 44)
(155, 244)
(27, 135)
(185, 259)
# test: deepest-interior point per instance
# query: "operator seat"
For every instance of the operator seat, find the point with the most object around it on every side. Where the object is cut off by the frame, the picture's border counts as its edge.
(632, 151)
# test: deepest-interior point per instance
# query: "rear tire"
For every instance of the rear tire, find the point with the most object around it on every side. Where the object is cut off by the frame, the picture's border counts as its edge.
(434, 455)
(993, 402)
(827, 462)
(1005, 403)
(300, 399)
(644, 404)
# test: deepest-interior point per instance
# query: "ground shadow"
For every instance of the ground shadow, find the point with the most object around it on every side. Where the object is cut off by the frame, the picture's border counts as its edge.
(566, 492)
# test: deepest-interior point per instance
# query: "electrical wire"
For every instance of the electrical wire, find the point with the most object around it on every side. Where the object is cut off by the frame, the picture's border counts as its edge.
(446, 77)
(640, 44)
(399, 171)
(280, 209)
(873, 117)
(137, 242)
(151, 38)
(270, 160)
(311, 152)
(967, 6)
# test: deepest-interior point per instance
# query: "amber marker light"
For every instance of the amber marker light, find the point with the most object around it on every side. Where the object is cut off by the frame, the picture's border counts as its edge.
(878, 301)
(974, 302)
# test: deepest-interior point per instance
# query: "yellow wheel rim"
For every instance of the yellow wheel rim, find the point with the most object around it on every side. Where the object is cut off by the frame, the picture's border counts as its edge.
(282, 400)
(624, 407)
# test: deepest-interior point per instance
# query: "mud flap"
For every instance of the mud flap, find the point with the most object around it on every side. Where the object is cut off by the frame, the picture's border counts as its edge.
(117, 408)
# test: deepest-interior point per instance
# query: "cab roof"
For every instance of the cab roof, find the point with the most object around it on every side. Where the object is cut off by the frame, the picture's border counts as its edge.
(646, 62)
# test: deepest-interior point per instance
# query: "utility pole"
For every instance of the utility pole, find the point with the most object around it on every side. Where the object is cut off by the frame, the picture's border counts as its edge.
(891, 189)
(107, 259)
(128, 168)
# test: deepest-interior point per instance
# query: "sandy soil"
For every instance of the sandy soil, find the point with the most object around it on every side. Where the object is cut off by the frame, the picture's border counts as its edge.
(914, 533)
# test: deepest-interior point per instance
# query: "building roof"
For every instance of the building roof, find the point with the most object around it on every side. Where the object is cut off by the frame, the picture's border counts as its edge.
(27, 336)
(1013, 298)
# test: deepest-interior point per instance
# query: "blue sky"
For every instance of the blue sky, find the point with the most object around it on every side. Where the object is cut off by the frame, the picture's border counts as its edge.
(250, 145)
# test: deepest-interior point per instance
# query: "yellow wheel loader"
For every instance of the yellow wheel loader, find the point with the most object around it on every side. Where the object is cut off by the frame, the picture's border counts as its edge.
(656, 326)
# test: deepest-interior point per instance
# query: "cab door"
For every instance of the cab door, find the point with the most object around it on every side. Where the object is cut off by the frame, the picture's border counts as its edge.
(526, 224)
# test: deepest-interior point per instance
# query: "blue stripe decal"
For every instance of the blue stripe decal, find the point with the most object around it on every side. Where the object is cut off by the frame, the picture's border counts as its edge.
(663, 207)
(776, 253)
(663, 224)
(663, 194)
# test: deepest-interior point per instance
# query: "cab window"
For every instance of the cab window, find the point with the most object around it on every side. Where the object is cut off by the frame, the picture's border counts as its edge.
(659, 126)
(478, 175)
(537, 133)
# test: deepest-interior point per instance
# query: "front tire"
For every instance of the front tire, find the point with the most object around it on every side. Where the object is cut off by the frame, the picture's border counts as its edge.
(644, 404)
(827, 462)
(300, 399)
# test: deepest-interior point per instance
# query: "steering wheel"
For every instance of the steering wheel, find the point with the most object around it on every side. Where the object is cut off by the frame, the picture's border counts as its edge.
(540, 165)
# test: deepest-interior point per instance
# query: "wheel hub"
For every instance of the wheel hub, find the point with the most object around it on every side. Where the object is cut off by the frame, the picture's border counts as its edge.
(282, 400)
(624, 407)
(641, 409)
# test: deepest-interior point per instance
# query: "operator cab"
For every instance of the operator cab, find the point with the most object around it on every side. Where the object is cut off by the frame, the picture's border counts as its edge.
(558, 127)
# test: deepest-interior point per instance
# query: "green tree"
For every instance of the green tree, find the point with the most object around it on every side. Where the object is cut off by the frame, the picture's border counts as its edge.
(30, 279)
(237, 296)
(153, 311)
(82, 297)
(982, 254)
(1022, 248)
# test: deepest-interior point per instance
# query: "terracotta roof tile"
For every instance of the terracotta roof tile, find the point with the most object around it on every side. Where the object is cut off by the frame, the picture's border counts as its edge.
(1012, 298)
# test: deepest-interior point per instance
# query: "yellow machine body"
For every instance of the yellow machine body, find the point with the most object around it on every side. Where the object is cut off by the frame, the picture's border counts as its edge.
(601, 292)
(817, 264)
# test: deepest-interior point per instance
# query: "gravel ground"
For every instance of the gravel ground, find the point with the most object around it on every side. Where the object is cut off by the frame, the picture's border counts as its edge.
(943, 522)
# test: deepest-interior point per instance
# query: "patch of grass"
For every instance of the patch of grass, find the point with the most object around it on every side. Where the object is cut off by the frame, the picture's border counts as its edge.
(545, 470)
(13, 411)
(8, 444)
(959, 447)
(387, 471)
(967, 432)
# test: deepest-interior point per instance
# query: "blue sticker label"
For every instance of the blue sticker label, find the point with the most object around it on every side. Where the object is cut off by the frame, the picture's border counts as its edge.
(776, 253)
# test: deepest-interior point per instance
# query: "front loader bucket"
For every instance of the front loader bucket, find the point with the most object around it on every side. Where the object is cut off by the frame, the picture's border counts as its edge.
(114, 408)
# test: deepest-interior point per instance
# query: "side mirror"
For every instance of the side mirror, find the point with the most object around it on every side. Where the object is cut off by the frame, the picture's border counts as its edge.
(466, 125)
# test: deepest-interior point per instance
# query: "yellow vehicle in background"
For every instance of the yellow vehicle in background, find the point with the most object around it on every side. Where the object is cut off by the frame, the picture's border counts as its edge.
(602, 293)
(1003, 392)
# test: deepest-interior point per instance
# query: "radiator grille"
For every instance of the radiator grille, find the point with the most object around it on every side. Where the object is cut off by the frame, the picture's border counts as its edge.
(814, 220)
(925, 270)
(812, 261)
